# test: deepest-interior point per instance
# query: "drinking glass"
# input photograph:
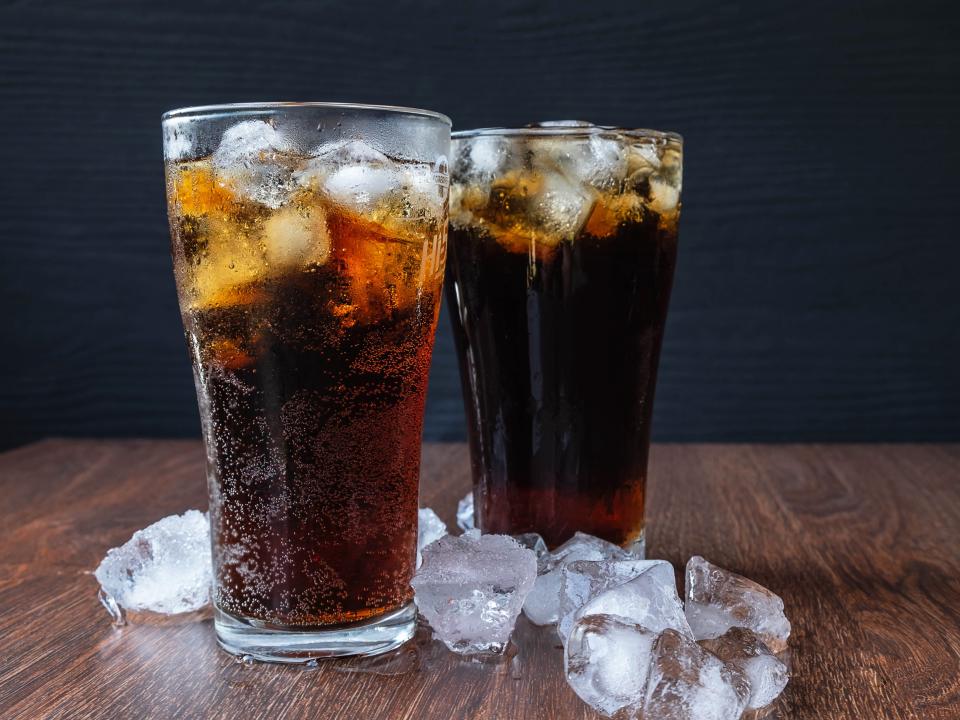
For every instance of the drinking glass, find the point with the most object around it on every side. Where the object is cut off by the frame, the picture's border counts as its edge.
(563, 242)
(308, 244)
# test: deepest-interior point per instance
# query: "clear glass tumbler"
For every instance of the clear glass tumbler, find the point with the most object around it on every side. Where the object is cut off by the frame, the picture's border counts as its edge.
(563, 241)
(309, 242)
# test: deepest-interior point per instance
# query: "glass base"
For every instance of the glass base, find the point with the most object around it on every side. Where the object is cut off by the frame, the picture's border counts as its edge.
(291, 645)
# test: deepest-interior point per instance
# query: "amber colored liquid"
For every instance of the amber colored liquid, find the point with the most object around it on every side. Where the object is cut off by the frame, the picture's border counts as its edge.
(558, 358)
(312, 386)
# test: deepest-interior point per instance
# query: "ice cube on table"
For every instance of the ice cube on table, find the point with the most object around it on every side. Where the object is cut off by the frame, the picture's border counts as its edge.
(745, 650)
(717, 600)
(606, 661)
(429, 528)
(534, 542)
(688, 683)
(164, 568)
(471, 588)
(543, 603)
(650, 600)
(465, 512)
(256, 162)
(583, 580)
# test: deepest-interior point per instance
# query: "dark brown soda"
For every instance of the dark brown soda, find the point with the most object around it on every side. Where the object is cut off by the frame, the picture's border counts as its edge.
(558, 358)
(312, 419)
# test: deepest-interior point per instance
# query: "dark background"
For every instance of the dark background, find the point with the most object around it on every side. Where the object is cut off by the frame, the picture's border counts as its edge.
(817, 291)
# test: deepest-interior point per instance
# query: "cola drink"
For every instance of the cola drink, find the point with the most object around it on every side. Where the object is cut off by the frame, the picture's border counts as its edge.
(309, 284)
(563, 243)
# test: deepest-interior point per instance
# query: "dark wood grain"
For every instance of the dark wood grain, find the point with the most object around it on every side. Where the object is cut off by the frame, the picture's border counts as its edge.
(818, 247)
(861, 541)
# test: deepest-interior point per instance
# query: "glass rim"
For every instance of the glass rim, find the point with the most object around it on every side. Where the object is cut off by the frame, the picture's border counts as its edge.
(243, 107)
(566, 131)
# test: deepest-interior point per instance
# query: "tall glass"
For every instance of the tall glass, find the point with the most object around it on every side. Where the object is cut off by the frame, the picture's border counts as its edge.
(563, 241)
(309, 242)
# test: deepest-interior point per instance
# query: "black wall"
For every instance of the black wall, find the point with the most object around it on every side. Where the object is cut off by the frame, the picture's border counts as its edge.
(816, 296)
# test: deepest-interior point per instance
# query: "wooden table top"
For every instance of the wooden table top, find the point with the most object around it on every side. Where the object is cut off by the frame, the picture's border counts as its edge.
(862, 542)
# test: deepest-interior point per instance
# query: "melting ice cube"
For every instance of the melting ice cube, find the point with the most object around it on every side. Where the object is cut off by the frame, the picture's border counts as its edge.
(650, 599)
(471, 588)
(534, 542)
(164, 568)
(718, 600)
(543, 603)
(688, 683)
(745, 650)
(583, 580)
(606, 661)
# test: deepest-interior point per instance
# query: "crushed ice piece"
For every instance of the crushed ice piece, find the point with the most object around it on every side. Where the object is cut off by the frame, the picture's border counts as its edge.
(256, 162)
(650, 599)
(717, 600)
(471, 588)
(543, 603)
(534, 542)
(688, 683)
(606, 661)
(164, 568)
(429, 528)
(745, 650)
(465, 512)
(583, 580)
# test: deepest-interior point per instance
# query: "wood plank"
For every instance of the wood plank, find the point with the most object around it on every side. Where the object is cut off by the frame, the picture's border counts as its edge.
(861, 541)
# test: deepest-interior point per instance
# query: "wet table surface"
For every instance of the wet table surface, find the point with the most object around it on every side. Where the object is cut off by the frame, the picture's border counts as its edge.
(863, 543)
